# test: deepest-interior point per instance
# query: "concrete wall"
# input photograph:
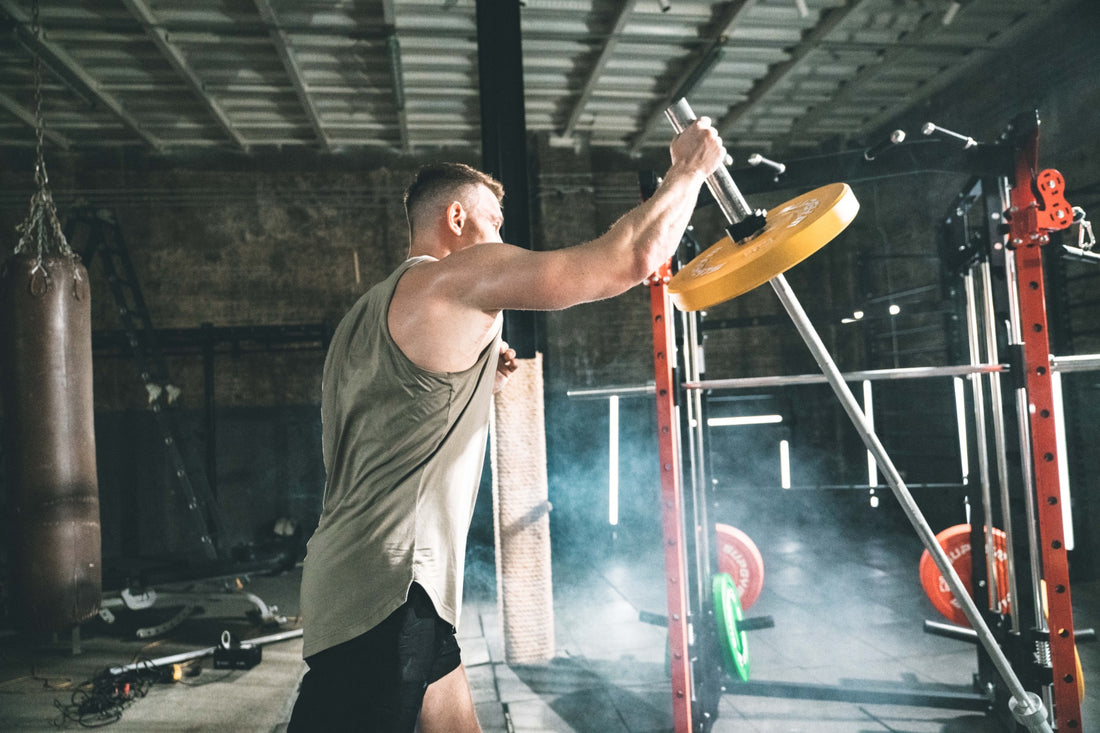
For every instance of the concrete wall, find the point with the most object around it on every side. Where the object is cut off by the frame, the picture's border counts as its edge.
(230, 242)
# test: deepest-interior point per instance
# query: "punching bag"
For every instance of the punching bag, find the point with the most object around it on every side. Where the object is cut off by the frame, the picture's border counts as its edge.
(52, 494)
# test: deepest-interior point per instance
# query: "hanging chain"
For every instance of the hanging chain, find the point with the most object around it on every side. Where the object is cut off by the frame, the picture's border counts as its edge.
(41, 229)
(40, 176)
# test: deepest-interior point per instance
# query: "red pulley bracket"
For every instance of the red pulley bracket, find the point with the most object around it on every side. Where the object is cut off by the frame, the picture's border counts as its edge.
(1055, 212)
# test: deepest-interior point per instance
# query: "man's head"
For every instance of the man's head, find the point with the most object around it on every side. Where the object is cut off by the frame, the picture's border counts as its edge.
(438, 185)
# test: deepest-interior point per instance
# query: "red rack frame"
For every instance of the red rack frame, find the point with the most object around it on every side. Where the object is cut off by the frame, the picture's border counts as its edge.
(1027, 238)
(664, 350)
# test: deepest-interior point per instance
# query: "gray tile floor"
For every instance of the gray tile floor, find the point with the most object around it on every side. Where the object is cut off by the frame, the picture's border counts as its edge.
(846, 602)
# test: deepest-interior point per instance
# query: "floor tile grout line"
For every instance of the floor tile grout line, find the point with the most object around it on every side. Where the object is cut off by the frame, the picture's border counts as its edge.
(493, 670)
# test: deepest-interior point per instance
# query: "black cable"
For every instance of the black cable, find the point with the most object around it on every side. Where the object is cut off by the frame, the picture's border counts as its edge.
(101, 700)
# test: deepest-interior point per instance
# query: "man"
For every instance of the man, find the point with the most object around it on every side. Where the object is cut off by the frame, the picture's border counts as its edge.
(405, 403)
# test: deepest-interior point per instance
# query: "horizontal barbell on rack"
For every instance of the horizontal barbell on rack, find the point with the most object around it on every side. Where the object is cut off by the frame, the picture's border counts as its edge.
(1062, 364)
(857, 376)
(1059, 364)
(597, 393)
(1078, 363)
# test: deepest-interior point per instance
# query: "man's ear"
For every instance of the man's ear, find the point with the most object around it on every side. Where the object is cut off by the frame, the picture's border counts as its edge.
(456, 218)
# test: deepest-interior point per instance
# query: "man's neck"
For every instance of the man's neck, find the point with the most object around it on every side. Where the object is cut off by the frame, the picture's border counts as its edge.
(428, 248)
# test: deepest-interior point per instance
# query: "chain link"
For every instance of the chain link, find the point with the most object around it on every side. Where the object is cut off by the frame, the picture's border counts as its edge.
(40, 176)
(41, 229)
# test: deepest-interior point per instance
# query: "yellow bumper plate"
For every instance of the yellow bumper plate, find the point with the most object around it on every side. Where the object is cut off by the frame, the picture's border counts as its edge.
(793, 232)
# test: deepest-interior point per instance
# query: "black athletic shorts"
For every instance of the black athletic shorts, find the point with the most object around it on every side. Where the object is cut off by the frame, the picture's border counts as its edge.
(376, 681)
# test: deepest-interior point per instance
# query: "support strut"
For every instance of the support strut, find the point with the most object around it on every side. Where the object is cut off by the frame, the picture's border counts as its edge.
(672, 520)
(1027, 238)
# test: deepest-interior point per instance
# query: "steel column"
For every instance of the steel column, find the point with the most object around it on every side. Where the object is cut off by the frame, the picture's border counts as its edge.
(672, 520)
(981, 535)
(1028, 238)
(999, 442)
(504, 139)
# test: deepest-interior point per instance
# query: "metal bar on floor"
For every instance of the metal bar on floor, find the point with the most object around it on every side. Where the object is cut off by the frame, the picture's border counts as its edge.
(872, 695)
(200, 653)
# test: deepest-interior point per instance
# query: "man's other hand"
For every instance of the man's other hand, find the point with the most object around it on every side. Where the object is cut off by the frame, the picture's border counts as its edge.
(506, 365)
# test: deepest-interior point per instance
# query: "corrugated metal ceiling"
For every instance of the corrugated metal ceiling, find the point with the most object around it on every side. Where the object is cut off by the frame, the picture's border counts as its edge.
(777, 75)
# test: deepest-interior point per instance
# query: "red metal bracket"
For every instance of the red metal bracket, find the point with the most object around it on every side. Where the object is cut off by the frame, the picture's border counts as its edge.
(1055, 212)
(1029, 227)
(671, 497)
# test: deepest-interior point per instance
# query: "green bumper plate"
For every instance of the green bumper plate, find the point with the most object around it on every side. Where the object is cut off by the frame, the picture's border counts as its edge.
(727, 614)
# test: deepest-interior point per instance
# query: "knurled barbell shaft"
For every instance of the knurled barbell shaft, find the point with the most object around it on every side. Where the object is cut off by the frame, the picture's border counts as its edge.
(720, 183)
(1025, 700)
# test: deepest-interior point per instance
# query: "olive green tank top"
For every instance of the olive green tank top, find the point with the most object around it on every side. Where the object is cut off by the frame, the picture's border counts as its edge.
(403, 451)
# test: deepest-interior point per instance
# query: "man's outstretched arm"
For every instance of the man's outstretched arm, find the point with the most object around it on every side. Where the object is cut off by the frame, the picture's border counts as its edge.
(491, 277)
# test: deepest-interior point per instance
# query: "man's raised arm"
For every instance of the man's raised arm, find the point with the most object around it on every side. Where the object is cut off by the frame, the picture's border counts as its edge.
(492, 277)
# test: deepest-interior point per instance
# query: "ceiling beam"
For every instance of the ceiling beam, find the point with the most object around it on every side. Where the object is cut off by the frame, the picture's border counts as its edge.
(625, 11)
(393, 48)
(24, 37)
(697, 66)
(811, 41)
(1037, 15)
(282, 45)
(321, 33)
(927, 27)
(27, 117)
(54, 57)
(176, 58)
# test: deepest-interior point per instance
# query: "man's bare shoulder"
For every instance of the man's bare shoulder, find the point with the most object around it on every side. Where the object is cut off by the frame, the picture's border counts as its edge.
(431, 321)
(455, 275)
(494, 276)
(481, 256)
